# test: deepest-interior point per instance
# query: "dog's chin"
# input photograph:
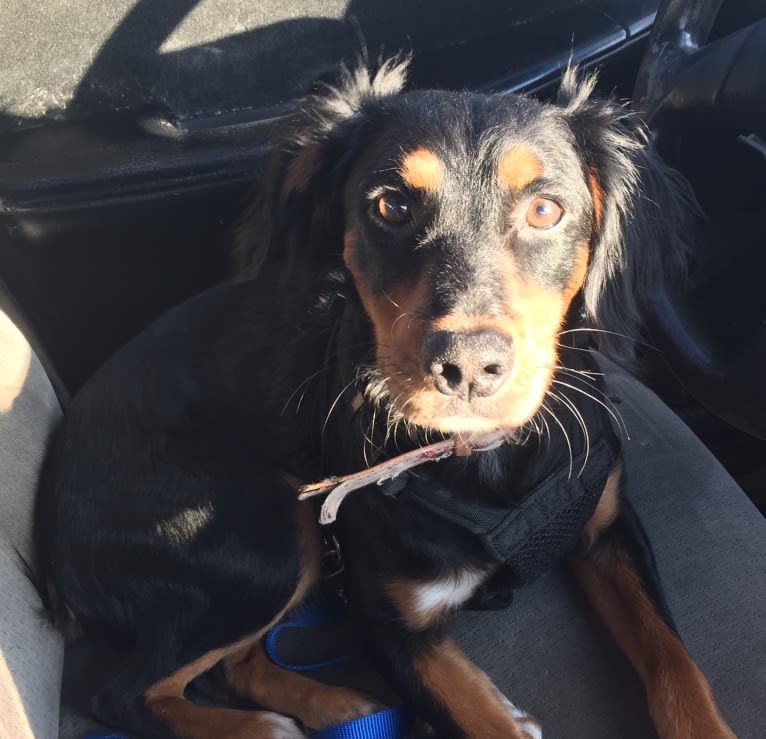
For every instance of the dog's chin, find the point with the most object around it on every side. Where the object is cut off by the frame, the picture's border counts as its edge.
(467, 423)
(472, 433)
(468, 435)
(464, 426)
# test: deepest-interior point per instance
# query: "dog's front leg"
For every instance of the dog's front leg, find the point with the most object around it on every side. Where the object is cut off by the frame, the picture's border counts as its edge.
(436, 678)
(619, 577)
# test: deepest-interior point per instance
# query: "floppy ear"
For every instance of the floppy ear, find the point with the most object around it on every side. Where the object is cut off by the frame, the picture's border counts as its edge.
(644, 216)
(297, 211)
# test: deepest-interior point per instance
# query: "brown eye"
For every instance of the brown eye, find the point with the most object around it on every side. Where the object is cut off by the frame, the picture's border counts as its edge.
(544, 213)
(393, 208)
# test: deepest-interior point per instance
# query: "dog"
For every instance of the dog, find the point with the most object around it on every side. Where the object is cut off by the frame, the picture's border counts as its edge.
(418, 268)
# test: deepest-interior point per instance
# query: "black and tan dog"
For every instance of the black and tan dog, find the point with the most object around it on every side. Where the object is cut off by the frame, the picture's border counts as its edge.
(424, 252)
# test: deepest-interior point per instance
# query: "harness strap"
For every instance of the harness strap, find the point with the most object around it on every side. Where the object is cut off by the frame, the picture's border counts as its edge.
(546, 523)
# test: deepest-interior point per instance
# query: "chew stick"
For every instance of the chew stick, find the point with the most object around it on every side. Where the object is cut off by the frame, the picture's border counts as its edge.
(342, 485)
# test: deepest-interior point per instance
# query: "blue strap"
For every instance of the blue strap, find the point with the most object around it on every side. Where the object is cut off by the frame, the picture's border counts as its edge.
(391, 723)
(312, 613)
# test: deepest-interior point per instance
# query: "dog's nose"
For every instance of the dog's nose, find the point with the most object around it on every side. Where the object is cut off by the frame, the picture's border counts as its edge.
(468, 364)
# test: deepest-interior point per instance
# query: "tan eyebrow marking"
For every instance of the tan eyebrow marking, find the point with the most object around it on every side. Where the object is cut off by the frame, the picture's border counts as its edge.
(518, 167)
(422, 169)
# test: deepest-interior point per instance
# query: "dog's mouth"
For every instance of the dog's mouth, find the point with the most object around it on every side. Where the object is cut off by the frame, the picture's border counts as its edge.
(468, 443)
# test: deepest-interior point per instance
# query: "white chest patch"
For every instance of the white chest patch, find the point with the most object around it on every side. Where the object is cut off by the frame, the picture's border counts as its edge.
(447, 592)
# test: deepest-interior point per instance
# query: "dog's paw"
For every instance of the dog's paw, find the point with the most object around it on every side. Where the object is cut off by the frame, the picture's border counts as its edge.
(529, 726)
(277, 726)
(335, 705)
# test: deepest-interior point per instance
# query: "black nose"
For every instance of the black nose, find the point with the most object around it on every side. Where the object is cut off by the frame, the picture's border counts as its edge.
(468, 365)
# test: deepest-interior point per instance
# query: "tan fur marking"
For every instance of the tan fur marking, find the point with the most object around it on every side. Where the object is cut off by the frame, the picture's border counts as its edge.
(193, 721)
(423, 170)
(536, 314)
(396, 316)
(607, 508)
(311, 545)
(597, 195)
(680, 700)
(314, 704)
(579, 271)
(302, 169)
(466, 693)
(518, 167)
(175, 684)
(402, 594)
(165, 699)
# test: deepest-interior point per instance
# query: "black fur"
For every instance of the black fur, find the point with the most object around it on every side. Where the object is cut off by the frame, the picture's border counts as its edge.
(647, 225)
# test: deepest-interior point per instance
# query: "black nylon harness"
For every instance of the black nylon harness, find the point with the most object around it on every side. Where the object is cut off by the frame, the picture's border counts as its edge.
(532, 536)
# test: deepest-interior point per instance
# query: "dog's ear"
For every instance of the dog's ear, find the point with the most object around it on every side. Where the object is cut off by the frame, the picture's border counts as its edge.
(644, 216)
(297, 210)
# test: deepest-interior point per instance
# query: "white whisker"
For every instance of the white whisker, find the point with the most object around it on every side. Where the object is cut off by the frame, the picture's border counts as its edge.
(611, 333)
(391, 300)
(615, 414)
(578, 415)
(566, 437)
(297, 390)
(335, 402)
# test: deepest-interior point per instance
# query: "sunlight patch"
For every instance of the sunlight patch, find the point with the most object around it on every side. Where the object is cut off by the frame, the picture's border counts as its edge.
(195, 31)
(11, 706)
(15, 358)
(184, 526)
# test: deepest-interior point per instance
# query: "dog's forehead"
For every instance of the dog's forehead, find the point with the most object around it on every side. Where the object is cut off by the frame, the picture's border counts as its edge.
(431, 135)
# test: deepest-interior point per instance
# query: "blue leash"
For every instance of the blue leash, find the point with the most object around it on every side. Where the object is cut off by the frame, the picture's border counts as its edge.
(314, 613)
(391, 723)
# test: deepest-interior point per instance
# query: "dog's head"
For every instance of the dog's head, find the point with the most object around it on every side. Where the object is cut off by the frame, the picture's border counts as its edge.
(467, 224)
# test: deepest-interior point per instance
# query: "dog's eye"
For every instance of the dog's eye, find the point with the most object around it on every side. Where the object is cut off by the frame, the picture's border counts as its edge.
(393, 208)
(544, 213)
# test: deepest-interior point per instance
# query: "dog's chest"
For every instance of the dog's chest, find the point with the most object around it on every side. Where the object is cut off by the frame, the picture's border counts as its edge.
(447, 592)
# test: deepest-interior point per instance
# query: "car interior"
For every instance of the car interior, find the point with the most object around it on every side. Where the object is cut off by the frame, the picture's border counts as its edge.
(132, 134)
